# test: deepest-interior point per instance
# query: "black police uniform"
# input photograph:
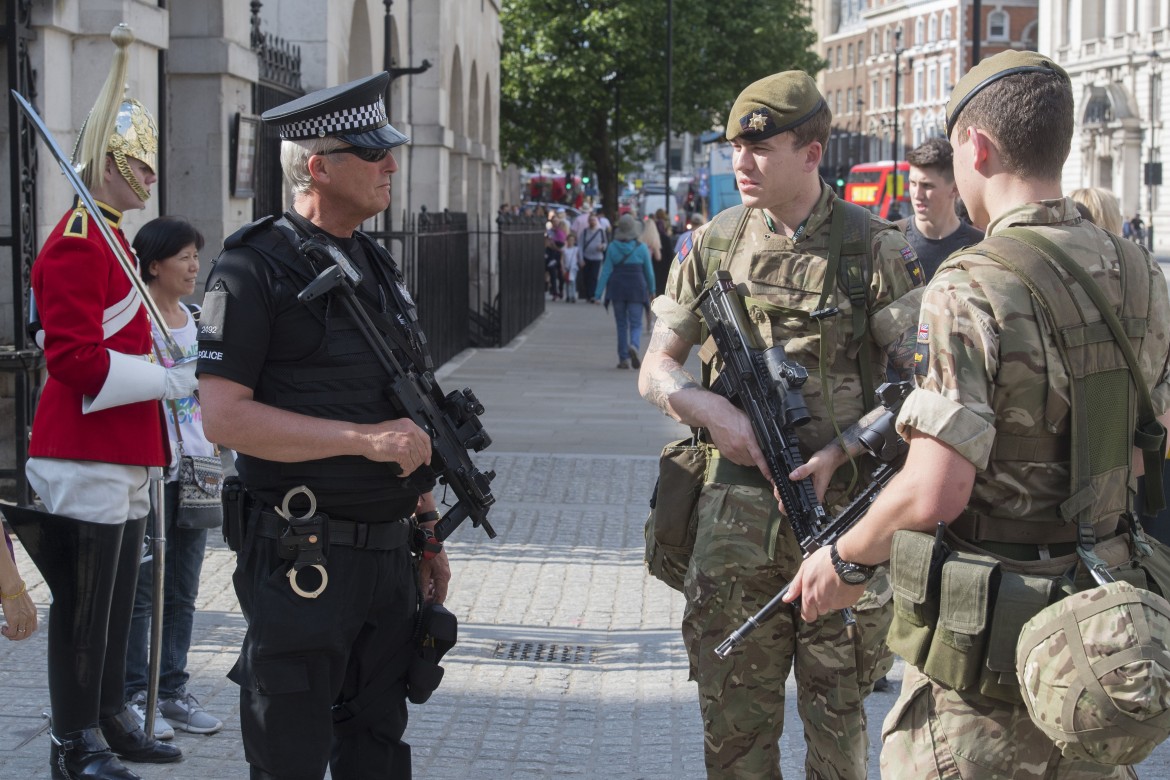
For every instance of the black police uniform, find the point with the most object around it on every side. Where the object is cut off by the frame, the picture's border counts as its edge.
(303, 656)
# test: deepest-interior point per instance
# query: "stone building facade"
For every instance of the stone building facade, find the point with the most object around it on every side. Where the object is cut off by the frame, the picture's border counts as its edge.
(1116, 52)
(873, 47)
(195, 64)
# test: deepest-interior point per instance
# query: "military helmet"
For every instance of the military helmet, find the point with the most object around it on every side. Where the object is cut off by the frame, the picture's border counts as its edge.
(1094, 670)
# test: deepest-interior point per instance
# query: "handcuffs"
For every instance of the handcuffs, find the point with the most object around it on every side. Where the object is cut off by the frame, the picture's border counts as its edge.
(305, 541)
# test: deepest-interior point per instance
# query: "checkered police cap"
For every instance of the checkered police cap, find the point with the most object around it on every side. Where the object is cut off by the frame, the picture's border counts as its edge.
(354, 112)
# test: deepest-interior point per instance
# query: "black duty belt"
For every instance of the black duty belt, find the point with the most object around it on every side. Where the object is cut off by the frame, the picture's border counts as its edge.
(361, 536)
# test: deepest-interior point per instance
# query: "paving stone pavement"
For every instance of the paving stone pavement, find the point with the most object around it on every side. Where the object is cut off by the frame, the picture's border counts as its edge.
(569, 660)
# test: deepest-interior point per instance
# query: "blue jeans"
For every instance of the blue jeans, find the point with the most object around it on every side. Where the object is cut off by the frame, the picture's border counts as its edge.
(184, 561)
(628, 315)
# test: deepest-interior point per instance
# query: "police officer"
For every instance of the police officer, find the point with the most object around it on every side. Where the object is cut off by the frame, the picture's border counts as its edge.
(1010, 442)
(781, 247)
(331, 467)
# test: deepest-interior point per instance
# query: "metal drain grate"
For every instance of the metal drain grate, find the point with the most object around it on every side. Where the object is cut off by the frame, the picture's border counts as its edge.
(550, 653)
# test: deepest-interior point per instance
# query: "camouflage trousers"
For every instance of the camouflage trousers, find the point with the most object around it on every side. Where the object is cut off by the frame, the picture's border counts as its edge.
(935, 733)
(744, 554)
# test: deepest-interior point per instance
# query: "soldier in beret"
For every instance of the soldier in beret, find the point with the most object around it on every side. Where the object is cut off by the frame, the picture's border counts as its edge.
(324, 453)
(1012, 444)
(793, 248)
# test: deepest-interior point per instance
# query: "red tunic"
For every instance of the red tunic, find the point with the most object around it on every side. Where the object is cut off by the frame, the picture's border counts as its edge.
(86, 306)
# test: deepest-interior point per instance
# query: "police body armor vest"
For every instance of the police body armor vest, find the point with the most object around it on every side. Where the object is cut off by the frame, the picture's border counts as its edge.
(341, 379)
(1108, 413)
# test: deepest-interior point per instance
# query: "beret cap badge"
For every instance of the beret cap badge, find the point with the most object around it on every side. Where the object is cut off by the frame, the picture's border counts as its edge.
(756, 122)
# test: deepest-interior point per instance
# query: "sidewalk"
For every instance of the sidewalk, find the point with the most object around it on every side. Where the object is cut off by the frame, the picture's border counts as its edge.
(569, 659)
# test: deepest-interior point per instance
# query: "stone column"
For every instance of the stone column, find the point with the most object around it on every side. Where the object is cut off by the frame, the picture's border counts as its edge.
(212, 72)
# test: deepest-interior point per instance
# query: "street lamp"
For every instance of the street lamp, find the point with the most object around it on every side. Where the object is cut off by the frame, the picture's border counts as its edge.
(1153, 168)
(897, 87)
(860, 125)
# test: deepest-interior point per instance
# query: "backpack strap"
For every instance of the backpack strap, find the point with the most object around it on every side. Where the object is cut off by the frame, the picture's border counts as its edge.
(849, 237)
(1149, 435)
(721, 234)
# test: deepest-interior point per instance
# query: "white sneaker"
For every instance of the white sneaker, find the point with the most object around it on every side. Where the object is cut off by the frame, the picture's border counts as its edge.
(184, 712)
(162, 729)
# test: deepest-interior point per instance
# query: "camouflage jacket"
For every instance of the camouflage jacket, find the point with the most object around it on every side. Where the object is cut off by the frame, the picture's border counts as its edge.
(988, 364)
(783, 281)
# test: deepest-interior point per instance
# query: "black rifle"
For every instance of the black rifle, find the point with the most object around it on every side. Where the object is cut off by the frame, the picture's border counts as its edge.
(880, 440)
(766, 384)
(451, 420)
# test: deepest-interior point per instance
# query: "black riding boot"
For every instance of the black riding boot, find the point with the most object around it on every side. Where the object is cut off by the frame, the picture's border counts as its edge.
(84, 755)
(79, 562)
(121, 729)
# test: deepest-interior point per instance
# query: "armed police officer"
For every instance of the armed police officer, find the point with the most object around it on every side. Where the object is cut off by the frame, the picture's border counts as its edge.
(331, 468)
(1038, 349)
(793, 248)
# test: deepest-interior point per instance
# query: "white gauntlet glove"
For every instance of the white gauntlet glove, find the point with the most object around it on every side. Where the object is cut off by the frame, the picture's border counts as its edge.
(132, 380)
(181, 381)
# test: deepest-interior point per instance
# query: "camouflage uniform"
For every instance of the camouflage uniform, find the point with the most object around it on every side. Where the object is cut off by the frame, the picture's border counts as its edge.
(989, 371)
(744, 552)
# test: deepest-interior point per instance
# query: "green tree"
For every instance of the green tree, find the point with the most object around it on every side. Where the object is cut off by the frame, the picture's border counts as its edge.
(572, 69)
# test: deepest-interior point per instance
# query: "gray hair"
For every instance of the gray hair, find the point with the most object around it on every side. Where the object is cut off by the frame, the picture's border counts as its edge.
(294, 160)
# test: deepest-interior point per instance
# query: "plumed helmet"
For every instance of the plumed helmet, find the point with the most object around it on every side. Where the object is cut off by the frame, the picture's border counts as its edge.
(117, 125)
(1094, 670)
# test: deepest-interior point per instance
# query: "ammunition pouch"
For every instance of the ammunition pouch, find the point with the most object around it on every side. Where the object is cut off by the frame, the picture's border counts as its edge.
(958, 615)
(671, 525)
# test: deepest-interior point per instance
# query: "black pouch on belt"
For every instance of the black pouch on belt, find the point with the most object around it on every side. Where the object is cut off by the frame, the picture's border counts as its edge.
(234, 515)
(306, 540)
(438, 630)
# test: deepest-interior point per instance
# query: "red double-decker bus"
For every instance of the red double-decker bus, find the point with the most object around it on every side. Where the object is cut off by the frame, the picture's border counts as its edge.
(873, 185)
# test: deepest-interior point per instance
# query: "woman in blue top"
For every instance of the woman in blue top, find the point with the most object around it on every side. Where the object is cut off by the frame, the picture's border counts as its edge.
(627, 277)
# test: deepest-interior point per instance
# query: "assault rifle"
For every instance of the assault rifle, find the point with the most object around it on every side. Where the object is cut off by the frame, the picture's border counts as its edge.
(452, 420)
(766, 384)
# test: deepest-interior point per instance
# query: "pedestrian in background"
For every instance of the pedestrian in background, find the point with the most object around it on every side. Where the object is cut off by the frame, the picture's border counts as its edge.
(777, 245)
(627, 277)
(20, 613)
(1104, 210)
(934, 229)
(554, 247)
(593, 243)
(986, 438)
(168, 261)
(665, 253)
(571, 262)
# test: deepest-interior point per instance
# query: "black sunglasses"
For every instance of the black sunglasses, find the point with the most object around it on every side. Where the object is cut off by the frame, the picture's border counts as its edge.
(362, 153)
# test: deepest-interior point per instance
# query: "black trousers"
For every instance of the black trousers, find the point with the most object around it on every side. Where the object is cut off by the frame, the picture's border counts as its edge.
(301, 656)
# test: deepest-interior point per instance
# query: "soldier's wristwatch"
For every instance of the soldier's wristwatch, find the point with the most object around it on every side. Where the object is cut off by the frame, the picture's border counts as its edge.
(849, 572)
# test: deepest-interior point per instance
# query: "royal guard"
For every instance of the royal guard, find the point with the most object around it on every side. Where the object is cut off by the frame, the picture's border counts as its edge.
(96, 439)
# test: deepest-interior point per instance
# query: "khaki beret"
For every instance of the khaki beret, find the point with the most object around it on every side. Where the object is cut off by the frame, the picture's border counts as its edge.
(773, 105)
(992, 69)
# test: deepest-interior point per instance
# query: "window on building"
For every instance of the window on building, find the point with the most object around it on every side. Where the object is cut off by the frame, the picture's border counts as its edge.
(997, 25)
(849, 56)
(932, 84)
(886, 91)
(932, 35)
(919, 28)
(945, 81)
(860, 51)
(918, 86)
(945, 32)
(873, 46)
